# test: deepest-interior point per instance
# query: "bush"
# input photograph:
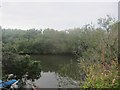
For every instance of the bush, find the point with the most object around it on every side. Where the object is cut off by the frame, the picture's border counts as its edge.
(20, 65)
(101, 75)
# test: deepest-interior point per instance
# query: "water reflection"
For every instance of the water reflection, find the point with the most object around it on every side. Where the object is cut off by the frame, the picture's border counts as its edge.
(48, 71)
(47, 80)
(58, 71)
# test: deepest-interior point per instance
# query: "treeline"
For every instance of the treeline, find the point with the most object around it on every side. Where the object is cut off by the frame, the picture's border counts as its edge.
(49, 41)
(34, 41)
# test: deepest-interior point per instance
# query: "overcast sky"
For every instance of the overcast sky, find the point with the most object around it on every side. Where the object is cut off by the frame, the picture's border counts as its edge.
(56, 15)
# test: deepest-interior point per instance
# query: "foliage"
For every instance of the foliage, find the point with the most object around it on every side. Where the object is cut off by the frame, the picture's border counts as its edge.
(99, 62)
(99, 76)
(20, 65)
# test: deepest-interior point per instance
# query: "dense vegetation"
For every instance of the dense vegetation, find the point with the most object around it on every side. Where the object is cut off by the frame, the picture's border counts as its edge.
(95, 48)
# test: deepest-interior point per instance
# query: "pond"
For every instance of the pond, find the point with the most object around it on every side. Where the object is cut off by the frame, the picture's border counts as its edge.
(58, 71)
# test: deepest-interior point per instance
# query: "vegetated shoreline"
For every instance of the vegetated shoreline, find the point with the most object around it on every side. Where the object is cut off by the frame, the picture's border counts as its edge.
(95, 48)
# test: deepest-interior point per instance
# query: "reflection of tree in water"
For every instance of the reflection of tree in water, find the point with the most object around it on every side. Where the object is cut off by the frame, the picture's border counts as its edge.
(19, 65)
(71, 73)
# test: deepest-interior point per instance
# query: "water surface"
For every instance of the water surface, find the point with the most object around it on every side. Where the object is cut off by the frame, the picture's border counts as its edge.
(58, 71)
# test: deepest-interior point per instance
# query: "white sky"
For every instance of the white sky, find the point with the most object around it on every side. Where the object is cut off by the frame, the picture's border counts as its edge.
(56, 15)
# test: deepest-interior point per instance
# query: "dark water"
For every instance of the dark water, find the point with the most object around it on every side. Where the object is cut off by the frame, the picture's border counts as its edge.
(58, 71)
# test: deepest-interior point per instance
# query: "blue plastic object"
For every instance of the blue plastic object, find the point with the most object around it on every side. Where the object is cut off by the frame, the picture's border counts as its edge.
(7, 84)
(0, 83)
